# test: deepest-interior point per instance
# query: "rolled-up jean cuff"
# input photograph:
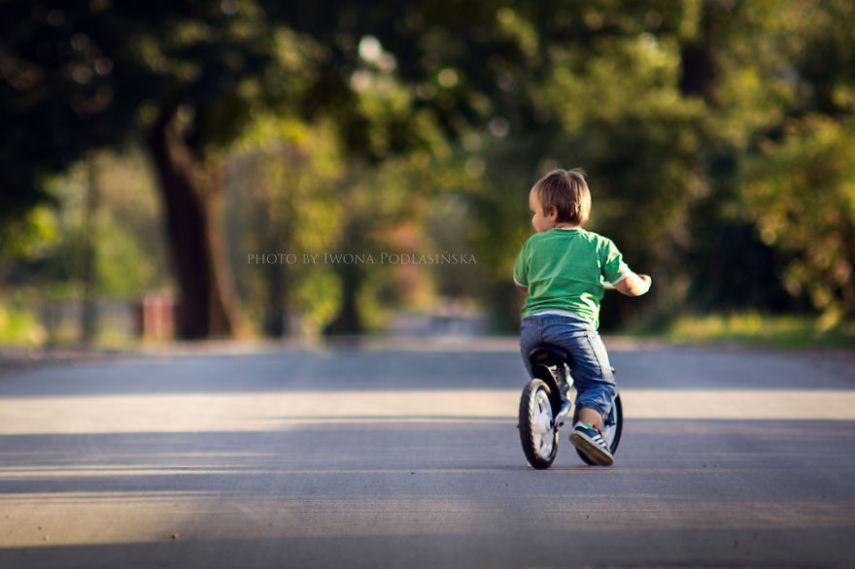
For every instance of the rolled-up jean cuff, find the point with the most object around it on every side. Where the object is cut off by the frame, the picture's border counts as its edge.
(598, 397)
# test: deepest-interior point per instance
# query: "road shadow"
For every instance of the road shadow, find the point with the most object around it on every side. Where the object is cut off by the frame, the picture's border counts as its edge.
(349, 494)
(593, 548)
(318, 456)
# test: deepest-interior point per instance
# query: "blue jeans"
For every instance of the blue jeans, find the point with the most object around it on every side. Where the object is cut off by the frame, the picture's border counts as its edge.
(592, 374)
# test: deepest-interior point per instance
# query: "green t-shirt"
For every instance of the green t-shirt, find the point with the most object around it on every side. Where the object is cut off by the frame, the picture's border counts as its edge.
(564, 270)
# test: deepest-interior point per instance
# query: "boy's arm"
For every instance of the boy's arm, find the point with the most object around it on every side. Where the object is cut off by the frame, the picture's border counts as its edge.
(522, 287)
(633, 284)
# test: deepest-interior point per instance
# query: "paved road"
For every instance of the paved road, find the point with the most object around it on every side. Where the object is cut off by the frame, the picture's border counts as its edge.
(388, 458)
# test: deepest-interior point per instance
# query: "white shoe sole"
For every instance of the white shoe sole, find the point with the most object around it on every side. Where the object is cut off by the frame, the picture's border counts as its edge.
(592, 450)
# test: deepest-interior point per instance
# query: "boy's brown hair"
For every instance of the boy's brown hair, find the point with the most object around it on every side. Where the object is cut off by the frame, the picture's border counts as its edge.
(568, 193)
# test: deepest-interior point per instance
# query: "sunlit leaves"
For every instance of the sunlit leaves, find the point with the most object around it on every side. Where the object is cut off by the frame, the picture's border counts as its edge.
(522, 31)
(801, 194)
(629, 78)
(283, 197)
(32, 236)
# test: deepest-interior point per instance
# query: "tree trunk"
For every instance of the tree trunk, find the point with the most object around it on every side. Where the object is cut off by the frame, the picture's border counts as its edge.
(193, 200)
(277, 237)
(274, 322)
(848, 287)
(699, 72)
(348, 320)
(89, 315)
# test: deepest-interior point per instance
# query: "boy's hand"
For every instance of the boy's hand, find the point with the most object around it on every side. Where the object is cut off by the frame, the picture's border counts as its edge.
(634, 284)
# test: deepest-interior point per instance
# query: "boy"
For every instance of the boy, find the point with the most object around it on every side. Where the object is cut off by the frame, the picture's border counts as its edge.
(562, 267)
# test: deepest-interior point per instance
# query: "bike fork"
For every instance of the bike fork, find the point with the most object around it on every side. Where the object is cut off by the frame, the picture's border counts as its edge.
(564, 382)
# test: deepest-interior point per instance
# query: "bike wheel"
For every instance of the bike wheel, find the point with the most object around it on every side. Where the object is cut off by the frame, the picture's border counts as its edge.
(611, 430)
(538, 434)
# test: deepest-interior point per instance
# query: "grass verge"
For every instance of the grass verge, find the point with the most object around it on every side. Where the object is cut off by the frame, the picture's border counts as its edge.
(750, 328)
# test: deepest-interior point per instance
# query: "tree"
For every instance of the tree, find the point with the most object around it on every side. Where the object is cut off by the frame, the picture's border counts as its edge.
(650, 96)
(283, 213)
(599, 86)
(185, 78)
(788, 109)
(182, 76)
(801, 192)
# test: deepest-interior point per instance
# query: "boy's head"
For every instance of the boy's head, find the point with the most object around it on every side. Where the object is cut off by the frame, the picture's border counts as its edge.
(562, 197)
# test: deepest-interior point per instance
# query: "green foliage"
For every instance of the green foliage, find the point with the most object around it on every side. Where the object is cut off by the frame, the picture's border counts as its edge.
(603, 92)
(716, 136)
(19, 325)
(282, 184)
(85, 75)
(318, 298)
(801, 192)
(752, 328)
(788, 100)
(31, 236)
(129, 253)
(124, 270)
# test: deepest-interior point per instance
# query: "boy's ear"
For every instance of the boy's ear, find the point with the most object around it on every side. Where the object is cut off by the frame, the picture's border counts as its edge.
(552, 214)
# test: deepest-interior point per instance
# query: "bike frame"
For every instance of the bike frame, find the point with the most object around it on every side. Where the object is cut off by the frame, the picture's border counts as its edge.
(551, 367)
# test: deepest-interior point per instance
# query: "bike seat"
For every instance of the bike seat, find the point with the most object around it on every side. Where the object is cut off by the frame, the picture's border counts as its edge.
(547, 354)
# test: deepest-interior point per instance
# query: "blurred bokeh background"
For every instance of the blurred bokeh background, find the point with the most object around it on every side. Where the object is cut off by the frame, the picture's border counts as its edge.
(253, 169)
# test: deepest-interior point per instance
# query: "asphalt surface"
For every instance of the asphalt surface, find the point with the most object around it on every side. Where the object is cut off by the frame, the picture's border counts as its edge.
(389, 457)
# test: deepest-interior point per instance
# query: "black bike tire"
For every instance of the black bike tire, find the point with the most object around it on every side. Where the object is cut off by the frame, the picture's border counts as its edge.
(618, 424)
(525, 419)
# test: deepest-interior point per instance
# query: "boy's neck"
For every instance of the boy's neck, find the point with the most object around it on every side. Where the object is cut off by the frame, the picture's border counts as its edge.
(566, 226)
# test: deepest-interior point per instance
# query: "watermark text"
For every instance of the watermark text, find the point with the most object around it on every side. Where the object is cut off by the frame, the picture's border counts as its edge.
(362, 258)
